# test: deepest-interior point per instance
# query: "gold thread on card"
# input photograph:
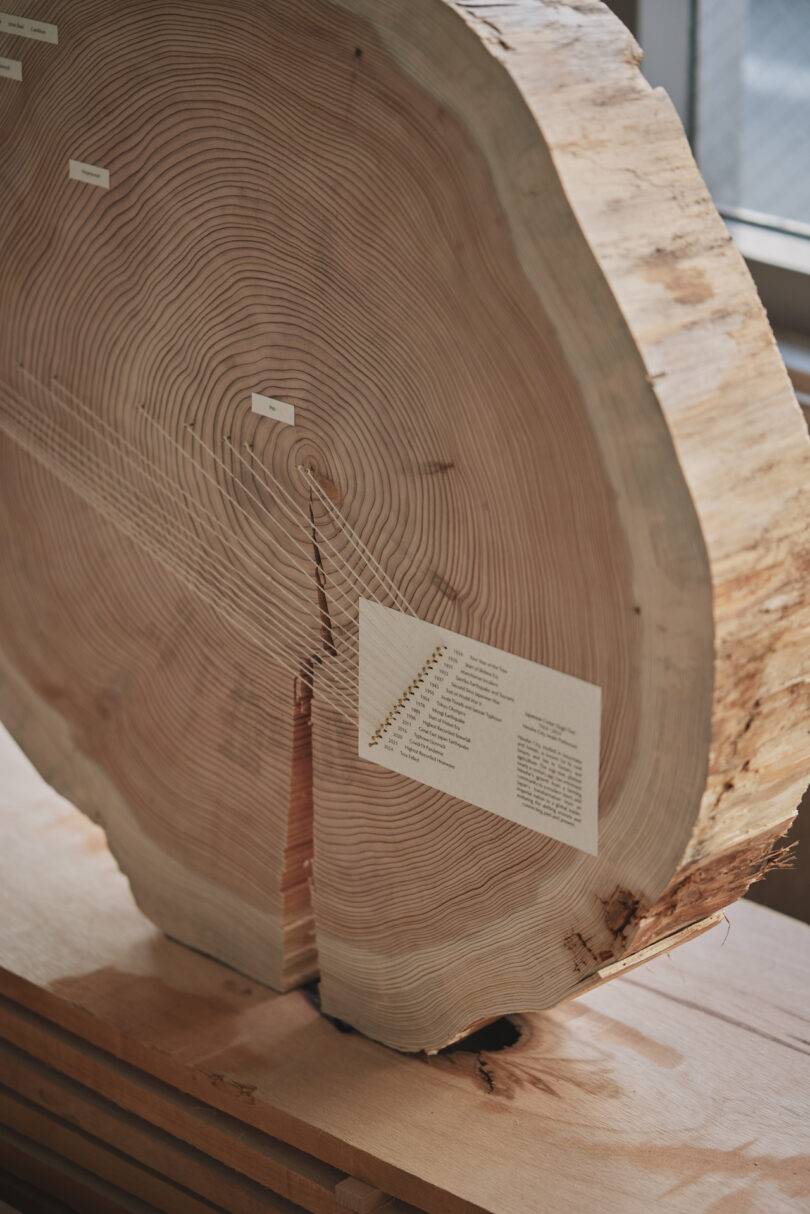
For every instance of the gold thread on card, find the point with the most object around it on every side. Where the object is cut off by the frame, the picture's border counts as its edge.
(406, 695)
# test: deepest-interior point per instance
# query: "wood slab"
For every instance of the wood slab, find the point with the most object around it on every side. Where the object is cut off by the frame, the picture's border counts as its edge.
(527, 394)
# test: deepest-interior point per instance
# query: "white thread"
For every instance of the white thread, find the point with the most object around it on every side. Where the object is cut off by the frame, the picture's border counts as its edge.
(84, 455)
(191, 584)
(354, 538)
(338, 667)
(197, 468)
(78, 480)
(171, 491)
(327, 542)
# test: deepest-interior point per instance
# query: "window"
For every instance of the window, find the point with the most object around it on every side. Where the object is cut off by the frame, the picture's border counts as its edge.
(738, 72)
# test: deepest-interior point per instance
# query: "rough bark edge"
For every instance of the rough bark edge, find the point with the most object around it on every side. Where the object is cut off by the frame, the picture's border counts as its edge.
(704, 888)
(757, 609)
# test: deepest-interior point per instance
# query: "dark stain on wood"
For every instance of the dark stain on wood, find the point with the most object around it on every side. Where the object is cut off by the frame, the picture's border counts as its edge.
(624, 1035)
(243, 1090)
(619, 911)
(442, 585)
(484, 1073)
(687, 285)
(582, 952)
(541, 1060)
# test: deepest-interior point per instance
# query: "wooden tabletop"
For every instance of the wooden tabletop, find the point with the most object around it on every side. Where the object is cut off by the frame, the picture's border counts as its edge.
(682, 1086)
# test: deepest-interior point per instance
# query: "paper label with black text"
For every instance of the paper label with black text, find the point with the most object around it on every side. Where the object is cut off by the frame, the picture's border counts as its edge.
(79, 171)
(268, 406)
(498, 731)
(10, 69)
(25, 27)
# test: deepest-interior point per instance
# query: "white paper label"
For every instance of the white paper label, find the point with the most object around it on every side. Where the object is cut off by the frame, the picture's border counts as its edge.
(26, 28)
(501, 732)
(10, 69)
(91, 173)
(279, 410)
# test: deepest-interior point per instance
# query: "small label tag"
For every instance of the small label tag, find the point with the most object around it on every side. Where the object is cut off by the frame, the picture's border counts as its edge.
(279, 410)
(10, 69)
(498, 731)
(26, 28)
(89, 172)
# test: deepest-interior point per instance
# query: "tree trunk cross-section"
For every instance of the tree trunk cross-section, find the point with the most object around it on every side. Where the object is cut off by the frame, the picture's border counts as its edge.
(423, 303)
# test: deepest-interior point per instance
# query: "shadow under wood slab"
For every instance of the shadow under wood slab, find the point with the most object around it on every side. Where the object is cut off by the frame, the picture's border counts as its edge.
(680, 1088)
(422, 303)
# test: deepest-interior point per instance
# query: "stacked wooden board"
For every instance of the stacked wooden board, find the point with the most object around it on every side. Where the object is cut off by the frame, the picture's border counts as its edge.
(136, 1074)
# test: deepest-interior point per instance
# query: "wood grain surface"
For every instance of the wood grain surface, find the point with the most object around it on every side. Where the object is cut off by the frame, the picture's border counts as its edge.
(680, 1087)
(535, 398)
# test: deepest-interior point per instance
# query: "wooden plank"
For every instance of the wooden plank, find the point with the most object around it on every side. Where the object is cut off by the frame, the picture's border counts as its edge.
(274, 1164)
(27, 1199)
(73, 1071)
(20, 1118)
(64, 1100)
(359, 1197)
(44, 1182)
(95, 1136)
(624, 1099)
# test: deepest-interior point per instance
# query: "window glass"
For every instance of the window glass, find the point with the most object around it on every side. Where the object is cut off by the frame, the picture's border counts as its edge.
(752, 106)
